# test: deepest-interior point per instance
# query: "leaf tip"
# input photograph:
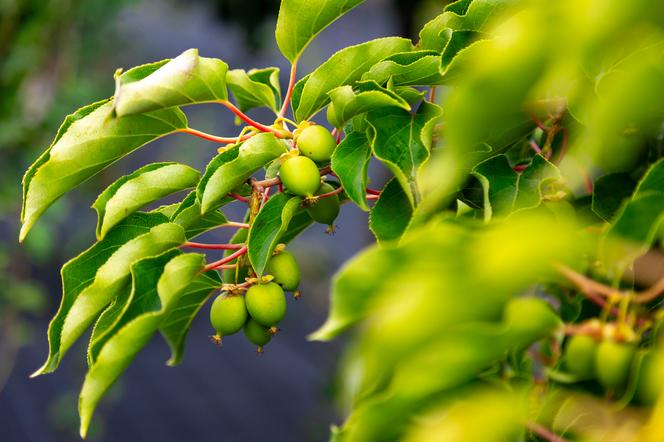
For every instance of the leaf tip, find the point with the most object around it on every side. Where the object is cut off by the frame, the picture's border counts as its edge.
(326, 333)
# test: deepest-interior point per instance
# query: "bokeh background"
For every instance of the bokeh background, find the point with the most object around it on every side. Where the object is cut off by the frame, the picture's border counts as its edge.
(58, 55)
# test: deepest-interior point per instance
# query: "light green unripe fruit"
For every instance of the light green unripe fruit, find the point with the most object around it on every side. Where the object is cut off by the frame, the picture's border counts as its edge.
(300, 176)
(256, 333)
(266, 303)
(325, 210)
(285, 270)
(316, 142)
(228, 314)
(613, 362)
(651, 382)
(580, 355)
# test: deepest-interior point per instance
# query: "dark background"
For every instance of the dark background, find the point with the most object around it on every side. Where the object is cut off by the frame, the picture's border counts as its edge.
(58, 55)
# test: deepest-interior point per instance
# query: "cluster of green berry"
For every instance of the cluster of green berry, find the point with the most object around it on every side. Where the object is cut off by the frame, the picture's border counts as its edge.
(613, 358)
(300, 174)
(261, 308)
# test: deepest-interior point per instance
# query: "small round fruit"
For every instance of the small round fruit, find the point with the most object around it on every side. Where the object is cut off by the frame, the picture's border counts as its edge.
(325, 210)
(613, 362)
(580, 356)
(650, 383)
(300, 176)
(228, 314)
(285, 270)
(531, 316)
(266, 303)
(316, 142)
(257, 334)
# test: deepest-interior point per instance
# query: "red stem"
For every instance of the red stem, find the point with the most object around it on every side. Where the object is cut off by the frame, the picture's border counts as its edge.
(373, 192)
(535, 147)
(334, 192)
(216, 139)
(338, 137)
(198, 245)
(226, 260)
(239, 197)
(544, 432)
(373, 197)
(432, 94)
(289, 92)
(266, 195)
(244, 117)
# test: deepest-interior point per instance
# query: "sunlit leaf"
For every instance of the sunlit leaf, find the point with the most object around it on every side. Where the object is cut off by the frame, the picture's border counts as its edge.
(186, 79)
(348, 101)
(145, 185)
(256, 88)
(88, 141)
(343, 68)
(300, 21)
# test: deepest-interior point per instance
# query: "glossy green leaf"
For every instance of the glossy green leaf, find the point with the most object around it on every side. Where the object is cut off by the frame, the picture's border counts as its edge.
(350, 162)
(391, 214)
(402, 142)
(408, 69)
(609, 193)
(98, 276)
(158, 284)
(186, 79)
(300, 21)
(475, 15)
(144, 186)
(343, 68)
(256, 88)
(188, 215)
(177, 322)
(232, 168)
(265, 233)
(348, 101)
(88, 141)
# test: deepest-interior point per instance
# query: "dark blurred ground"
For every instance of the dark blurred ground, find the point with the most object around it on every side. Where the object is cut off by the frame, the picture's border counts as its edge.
(216, 394)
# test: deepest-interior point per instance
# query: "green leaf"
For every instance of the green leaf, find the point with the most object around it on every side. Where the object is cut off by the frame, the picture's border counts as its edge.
(144, 186)
(94, 279)
(402, 142)
(391, 214)
(610, 192)
(88, 141)
(408, 69)
(186, 79)
(343, 68)
(188, 215)
(506, 191)
(348, 101)
(158, 284)
(175, 325)
(350, 162)
(532, 182)
(499, 183)
(232, 168)
(432, 278)
(265, 233)
(475, 15)
(256, 88)
(653, 180)
(634, 229)
(300, 21)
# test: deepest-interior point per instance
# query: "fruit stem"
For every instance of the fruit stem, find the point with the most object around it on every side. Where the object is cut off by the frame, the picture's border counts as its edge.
(544, 432)
(652, 293)
(432, 94)
(332, 193)
(226, 260)
(372, 197)
(236, 224)
(289, 92)
(373, 191)
(263, 128)
(535, 147)
(216, 139)
(198, 245)
(239, 197)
